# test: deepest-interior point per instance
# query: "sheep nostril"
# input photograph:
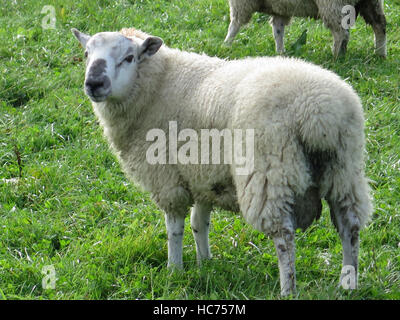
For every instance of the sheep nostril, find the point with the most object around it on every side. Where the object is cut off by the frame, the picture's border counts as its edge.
(94, 84)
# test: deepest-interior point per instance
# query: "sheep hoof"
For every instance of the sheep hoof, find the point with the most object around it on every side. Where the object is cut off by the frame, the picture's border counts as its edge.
(173, 267)
(227, 43)
(381, 52)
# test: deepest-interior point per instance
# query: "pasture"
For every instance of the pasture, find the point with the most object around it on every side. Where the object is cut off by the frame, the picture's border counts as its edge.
(65, 203)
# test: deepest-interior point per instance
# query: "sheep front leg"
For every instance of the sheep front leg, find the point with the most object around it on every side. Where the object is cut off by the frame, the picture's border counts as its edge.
(285, 248)
(200, 223)
(278, 26)
(175, 226)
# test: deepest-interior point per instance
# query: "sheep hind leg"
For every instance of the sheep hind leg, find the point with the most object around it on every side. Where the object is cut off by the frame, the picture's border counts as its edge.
(233, 29)
(200, 223)
(175, 226)
(372, 12)
(237, 20)
(348, 226)
(278, 27)
(285, 248)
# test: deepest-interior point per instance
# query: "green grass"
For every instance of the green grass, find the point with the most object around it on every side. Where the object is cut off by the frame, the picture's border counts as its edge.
(64, 201)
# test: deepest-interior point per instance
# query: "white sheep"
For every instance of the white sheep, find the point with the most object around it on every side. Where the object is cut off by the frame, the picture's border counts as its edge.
(307, 127)
(336, 15)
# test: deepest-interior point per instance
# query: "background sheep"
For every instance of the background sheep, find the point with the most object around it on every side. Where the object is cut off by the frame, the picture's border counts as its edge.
(329, 11)
(309, 139)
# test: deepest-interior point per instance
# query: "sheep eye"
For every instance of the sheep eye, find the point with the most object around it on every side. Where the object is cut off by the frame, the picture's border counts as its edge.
(86, 54)
(129, 59)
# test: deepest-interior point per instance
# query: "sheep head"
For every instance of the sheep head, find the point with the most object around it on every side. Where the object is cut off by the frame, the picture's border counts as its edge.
(112, 62)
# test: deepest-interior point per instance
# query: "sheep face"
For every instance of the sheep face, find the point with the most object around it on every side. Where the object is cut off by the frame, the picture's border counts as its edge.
(112, 63)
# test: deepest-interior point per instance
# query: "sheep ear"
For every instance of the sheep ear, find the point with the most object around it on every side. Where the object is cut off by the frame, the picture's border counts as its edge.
(149, 47)
(82, 38)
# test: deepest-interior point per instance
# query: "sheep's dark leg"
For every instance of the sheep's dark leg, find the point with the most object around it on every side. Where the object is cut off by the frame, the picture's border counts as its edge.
(348, 226)
(372, 12)
(285, 248)
(278, 26)
(200, 223)
(380, 40)
(175, 227)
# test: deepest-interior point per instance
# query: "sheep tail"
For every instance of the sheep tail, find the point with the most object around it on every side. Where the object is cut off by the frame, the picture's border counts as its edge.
(335, 134)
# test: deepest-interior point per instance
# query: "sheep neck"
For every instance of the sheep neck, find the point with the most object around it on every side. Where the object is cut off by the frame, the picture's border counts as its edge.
(169, 79)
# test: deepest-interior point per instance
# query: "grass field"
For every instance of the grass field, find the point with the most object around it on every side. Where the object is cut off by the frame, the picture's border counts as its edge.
(64, 201)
